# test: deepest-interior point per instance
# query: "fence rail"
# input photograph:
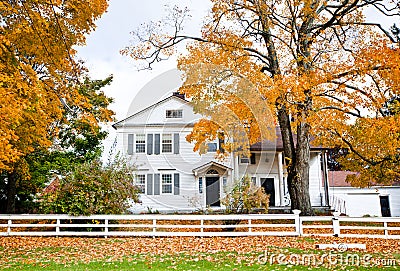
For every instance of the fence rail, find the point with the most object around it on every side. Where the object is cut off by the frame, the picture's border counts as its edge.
(198, 225)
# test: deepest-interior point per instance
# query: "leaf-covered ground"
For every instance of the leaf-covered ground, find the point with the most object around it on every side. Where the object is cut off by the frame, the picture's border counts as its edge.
(228, 252)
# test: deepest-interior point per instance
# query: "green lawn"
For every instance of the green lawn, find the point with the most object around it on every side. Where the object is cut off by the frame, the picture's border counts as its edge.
(211, 261)
(249, 253)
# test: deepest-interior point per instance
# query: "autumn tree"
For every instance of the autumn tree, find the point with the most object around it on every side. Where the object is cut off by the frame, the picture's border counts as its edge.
(318, 65)
(76, 142)
(39, 76)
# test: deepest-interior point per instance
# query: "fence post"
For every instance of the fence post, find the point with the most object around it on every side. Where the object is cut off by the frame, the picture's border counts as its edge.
(385, 225)
(9, 226)
(58, 226)
(297, 222)
(202, 225)
(336, 224)
(105, 227)
(154, 227)
(250, 225)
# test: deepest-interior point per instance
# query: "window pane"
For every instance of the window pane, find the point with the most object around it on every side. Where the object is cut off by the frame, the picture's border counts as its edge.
(174, 114)
(140, 138)
(200, 185)
(140, 182)
(140, 148)
(212, 147)
(140, 143)
(167, 148)
(244, 160)
(166, 185)
(167, 143)
(167, 138)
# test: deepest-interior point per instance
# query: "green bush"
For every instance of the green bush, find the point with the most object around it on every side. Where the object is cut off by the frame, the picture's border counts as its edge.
(92, 188)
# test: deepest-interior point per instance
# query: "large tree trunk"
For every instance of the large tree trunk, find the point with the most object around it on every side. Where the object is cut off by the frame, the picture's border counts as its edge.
(299, 188)
(11, 192)
(297, 159)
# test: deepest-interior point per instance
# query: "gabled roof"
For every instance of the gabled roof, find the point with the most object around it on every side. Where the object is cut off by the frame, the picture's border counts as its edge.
(338, 179)
(271, 145)
(209, 165)
(175, 96)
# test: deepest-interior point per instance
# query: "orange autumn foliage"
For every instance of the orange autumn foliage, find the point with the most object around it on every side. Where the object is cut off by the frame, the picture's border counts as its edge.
(317, 66)
(38, 74)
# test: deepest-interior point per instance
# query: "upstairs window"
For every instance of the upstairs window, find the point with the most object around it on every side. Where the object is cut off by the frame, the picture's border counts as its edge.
(174, 114)
(244, 160)
(140, 143)
(212, 147)
(248, 160)
(167, 143)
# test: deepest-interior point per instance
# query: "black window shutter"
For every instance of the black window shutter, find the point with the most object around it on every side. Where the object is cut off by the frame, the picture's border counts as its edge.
(176, 183)
(156, 184)
(221, 141)
(176, 143)
(157, 144)
(130, 144)
(149, 184)
(150, 144)
(253, 158)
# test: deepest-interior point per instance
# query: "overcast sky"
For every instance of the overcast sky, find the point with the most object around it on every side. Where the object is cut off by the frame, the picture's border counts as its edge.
(113, 33)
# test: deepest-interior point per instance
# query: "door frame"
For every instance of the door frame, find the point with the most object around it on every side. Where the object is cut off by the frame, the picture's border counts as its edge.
(277, 186)
(218, 181)
(276, 192)
(388, 208)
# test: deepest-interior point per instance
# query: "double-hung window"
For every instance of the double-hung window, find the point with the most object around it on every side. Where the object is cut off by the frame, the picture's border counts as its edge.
(174, 114)
(166, 183)
(140, 143)
(140, 182)
(166, 143)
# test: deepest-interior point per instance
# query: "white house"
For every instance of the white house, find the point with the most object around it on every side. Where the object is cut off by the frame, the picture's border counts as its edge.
(174, 178)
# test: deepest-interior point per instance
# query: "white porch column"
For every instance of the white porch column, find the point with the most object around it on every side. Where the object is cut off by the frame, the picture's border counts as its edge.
(280, 176)
(235, 167)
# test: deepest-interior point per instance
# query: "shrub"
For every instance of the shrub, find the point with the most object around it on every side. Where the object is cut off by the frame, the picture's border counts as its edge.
(245, 197)
(92, 188)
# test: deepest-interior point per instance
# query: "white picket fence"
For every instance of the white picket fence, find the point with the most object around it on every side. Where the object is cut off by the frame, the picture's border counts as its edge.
(198, 225)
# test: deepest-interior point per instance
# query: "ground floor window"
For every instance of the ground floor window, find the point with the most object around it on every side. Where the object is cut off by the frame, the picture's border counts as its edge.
(166, 183)
(200, 185)
(140, 182)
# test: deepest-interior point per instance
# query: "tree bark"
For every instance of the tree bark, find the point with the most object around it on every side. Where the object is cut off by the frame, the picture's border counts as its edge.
(11, 192)
(299, 188)
(297, 160)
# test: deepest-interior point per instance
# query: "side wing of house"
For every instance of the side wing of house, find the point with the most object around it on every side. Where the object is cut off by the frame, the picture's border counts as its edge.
(354, 201)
